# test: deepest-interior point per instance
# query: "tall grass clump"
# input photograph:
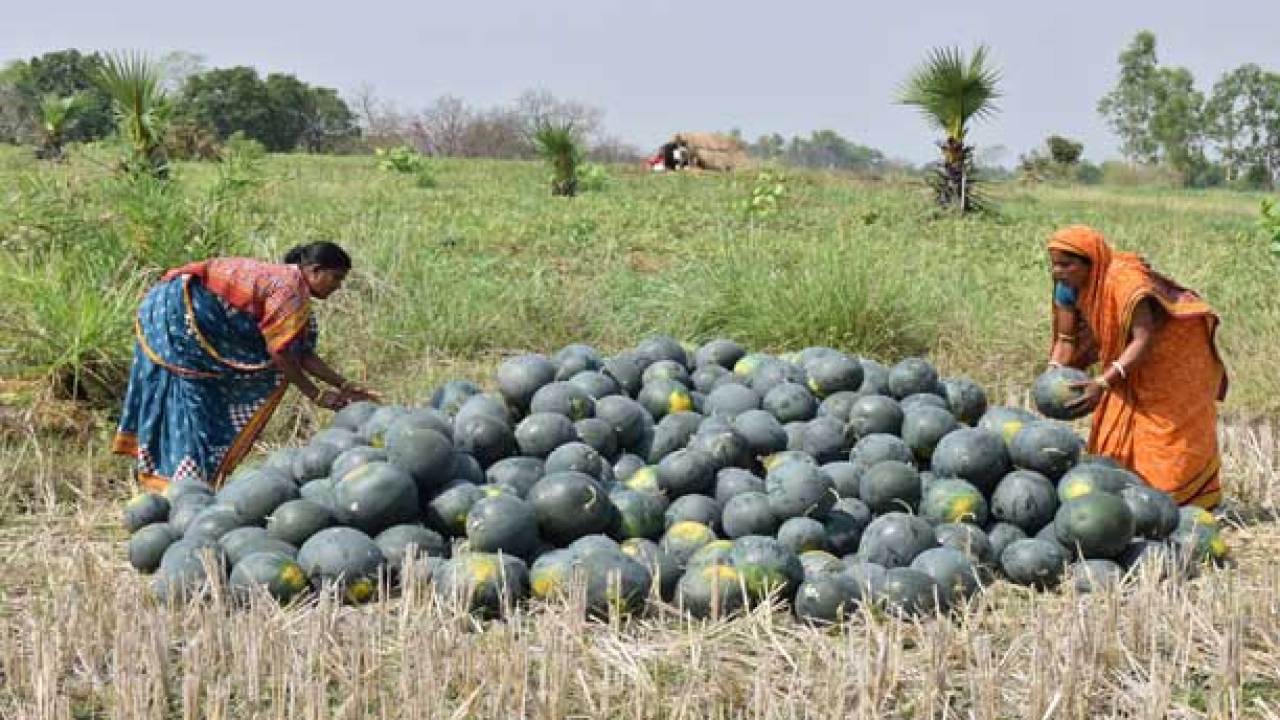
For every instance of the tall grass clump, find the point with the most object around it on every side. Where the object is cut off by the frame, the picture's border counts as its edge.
(134, 83)
(560, 147)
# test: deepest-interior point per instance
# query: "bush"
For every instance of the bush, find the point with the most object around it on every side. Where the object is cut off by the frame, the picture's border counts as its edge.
(1088, 174)
(404, 159)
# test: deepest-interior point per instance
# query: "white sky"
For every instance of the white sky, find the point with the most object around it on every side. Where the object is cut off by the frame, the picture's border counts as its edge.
(658, 66)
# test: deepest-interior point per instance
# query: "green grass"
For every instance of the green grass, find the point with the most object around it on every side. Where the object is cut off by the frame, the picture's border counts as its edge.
(485, 262)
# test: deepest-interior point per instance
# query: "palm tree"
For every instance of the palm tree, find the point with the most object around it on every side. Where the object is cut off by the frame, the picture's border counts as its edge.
(56, 113)
(133, 81)
(559, 146)
(952, 91)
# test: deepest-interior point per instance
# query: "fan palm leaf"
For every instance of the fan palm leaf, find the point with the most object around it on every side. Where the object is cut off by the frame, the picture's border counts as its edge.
(951, 90)
(133, 82)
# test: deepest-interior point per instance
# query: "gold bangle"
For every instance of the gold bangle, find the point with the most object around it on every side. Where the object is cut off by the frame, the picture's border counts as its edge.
(1101, 381)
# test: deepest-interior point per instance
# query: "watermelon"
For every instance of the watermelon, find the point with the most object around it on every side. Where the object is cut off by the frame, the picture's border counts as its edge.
(716, 552)
(913, 375)
(148, 544)
(955, 575)
(450, 396)
(709, 377)
(296, 520)
(972, 454)
(966, 399)
(798, 489)
(687, 471)
(627, 464)
(1005, 420)
(315, 460)
(502, 523)
(820, 562)
(629, 419)
(340, 438)
(894, 539)
(1002, 534)
(355, 457)
(1097, 525)
(826, 598)
(640, 514)
(570, 505)
(730, 399)
(423, 453)
(374, 430)
(663, 396)
(763, 433)
(277, 573)
(1053, 391)
(657, 348)
(574, 359)
(213, 522)
(875, 415)
(833, 373)
(922, 399)
(839, 405)
(399, 543)
(826, 439)
(552, 575)
(520, 377)
(446, 513)
(1049, 448)
(185, 508)
(923, 427)
(711, 592)
(485, 438)
(376, 496)
(748, 364)
(563, 398)
(600, 436)
(144, 509)
(875, 377)
(845, 523)
(644, 480)
(319, 492)
(869, 577)
(664, 570)
(719, 353)
(774, 373)
(697, 508)
(890, 485)
(595, 542)
(1034, 562)
(256, 494)
(354, 415)
(487, 584)
(748, 513)
(878, 447)
(343, 556)
(790, 402)
(725, 446)
(767, 567)
(1083, 480)
(795, 435)
(1155, 514)
(846, 476)
(910, 592)
(183, 573)
(625, 369)
(616, 582)
(578, 457)
(672, 433)
(667, 370)
(801, 534)
(683, 539)
(735, 481)
(1025, 499)
(517, 473)
(540, 433)
(968, 539)
(595, 384)
(489, 404)
(952, 501)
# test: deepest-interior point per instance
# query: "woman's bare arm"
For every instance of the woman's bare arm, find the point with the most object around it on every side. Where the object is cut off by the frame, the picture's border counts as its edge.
(1065, 337)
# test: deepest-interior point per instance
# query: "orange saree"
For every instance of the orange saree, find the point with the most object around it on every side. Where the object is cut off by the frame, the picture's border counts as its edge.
(1161, 421)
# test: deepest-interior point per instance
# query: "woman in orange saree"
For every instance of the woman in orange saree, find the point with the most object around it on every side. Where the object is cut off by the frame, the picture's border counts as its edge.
(1155, 400)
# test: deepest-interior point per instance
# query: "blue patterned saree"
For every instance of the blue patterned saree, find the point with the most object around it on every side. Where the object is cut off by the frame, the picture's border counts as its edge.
(202, 385)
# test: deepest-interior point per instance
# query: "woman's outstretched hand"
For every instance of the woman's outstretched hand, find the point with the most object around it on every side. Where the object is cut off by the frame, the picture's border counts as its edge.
(1090, 395)
(330, 399)
(353, 393)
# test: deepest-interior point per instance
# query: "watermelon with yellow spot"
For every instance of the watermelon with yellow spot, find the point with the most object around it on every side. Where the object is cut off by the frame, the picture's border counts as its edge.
(711, 592)
(1054, 391)
(1005, 420)
(552, 574)
(952, 500)
(1082, 480)
(662, 397)
(278, 574)
(344, 557)
(767, 566)
(644, 480)
(489, 585)
(715, 552)
(1097, 525)
(683, 539)
(832, 373)
(1199, 535)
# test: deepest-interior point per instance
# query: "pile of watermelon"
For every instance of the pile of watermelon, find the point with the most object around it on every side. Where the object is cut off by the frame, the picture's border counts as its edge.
(710, 478)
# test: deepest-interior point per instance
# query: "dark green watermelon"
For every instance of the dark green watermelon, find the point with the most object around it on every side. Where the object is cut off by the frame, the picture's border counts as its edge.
(446, 513)
(353, 416)
(276, 573)
(1097, 525)
(672, 433)
(502, 523)
(665, 572)
(657, 348)
(1025, 499)
(909, 592)
(626, 368)
(640, 514)
(521, 376)
(1053, 391)
(399, 543)
(790, 402)
(1001, 535)
(966, 399)
(922, 399)
(355, 457)
(1034, 562)
(748, 513)
(376, 496)
(563, 398)
(923, 427)
(875, 377)
(731, 399)
(839, 405)
(826, 439)
(487, 584)
(552, 575)
(314, 461)
(875, 414)
(725, 446)
(968, 539)
(767, 567)
(577, 358)
(846, 476)
(820, 562)
(895, 539)
(450, 395)
(343, 556)
(596, 384)
(687, 471)
(1049, 448)
(833, 373)
(517, 473)
(578, 457)
(697, 508)
(798, 489)
(662, 397)
(735, 481)
(720, 353)
(148, 544)
(667, 370)
(801, 534)
(913, 375)
(1005, 420)
(374, 430)
(890, 486)
(954, 573)
(422, 452)
(826, 598)
(629, 419)
(570, 505)
(145, 509)
(485, 438)
(878, 447)
(972, 454)
(212, 522)
(708, 377)
(1155, 514)
(244, 541)
(683, 539)
(600, 435)
(491, 404)
(615, 583)
(540, 433)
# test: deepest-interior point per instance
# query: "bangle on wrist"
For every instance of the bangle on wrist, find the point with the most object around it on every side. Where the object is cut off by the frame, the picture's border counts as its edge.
(1101, 381)
(1124, 375)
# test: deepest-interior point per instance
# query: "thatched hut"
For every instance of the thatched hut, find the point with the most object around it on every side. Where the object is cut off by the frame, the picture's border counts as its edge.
(714, 151)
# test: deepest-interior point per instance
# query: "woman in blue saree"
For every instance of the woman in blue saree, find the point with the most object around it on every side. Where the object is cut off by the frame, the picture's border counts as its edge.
(217, 344)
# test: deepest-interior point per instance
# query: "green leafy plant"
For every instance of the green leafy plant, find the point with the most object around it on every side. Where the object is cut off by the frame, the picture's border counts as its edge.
(592, 177)
(766, 195)
(56, 115)
(1270, 223)
(951, 91)
(403, 159)
(559, 146)
(134, 83)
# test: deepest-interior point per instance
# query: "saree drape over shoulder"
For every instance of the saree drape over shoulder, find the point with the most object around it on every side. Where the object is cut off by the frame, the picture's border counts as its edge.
(1162, 420)
(203, 384)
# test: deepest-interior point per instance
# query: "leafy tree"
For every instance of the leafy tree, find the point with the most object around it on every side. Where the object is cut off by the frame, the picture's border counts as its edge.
(1176, 125)
(952, 91)
(829, 150)
(1242, 115)
(228, 100)
(768, 147)
(1064, 151)
(1130, 106)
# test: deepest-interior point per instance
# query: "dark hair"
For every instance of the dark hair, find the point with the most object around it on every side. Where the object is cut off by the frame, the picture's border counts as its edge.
(327, 255)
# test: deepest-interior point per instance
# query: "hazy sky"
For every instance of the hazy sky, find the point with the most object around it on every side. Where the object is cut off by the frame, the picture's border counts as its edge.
(658, 66)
